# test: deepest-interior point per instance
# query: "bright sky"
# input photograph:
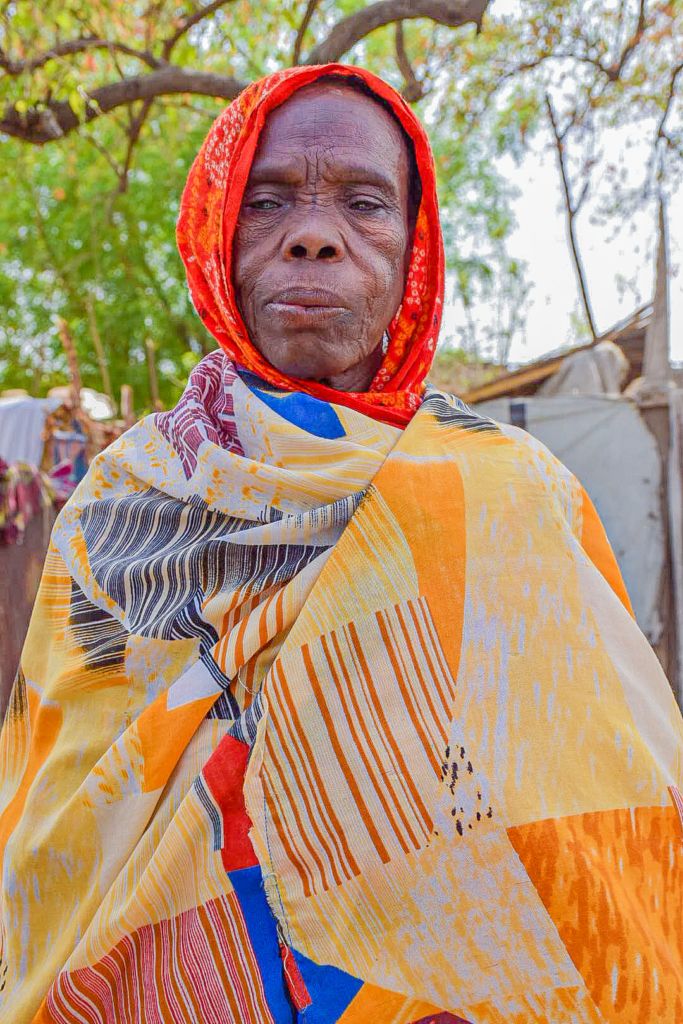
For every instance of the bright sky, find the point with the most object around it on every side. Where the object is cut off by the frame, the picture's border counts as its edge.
(540, 238)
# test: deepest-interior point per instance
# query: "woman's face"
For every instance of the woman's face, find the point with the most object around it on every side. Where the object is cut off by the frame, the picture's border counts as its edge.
(322, 242)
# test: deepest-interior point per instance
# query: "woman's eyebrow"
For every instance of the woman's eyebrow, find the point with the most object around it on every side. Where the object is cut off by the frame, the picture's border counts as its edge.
(279, 172)
(358, 173)
(275, 174)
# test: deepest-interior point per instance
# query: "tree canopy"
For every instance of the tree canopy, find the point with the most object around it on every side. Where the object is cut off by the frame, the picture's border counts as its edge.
(103, 105)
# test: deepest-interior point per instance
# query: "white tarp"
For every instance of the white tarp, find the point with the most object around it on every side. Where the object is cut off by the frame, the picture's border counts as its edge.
(604, 441)
(21, 428)
(598, 370)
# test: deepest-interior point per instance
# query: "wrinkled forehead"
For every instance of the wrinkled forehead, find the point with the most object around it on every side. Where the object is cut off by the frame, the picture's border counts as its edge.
(327, 120)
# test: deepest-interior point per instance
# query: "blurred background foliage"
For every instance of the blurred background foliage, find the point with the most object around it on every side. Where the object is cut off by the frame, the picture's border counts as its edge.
(104, 104)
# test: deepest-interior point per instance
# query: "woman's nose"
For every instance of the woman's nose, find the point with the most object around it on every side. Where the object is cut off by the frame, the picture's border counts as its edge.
(313, 237)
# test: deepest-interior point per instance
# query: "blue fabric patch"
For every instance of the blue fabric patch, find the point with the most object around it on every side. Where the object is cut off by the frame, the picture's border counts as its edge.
(311, 414)
(262, 930)
(330, 989)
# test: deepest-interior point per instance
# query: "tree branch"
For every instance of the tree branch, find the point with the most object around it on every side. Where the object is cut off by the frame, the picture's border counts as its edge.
(190, 22)
(351, 29)
(611, 72)
(672, 144)
(305, 22)
(671, 92)
(70, 49)
(103, 151)
(614, 71)
(56, 118)
(134, 131)
(571, 209)
(656, 165)
(412, 89)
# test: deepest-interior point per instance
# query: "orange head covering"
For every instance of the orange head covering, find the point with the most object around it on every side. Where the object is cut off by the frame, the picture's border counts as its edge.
(208, 216)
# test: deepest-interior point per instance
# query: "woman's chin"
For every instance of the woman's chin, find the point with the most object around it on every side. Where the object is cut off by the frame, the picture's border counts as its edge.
(307, 361)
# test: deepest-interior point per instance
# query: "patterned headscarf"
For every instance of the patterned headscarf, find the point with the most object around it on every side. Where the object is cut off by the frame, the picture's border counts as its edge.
(208, 217)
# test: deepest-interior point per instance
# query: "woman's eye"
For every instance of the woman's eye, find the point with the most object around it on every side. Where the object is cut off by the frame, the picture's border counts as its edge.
(263, 204)
(365, 205)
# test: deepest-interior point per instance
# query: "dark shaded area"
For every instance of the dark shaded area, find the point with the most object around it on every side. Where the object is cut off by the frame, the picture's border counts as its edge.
(20, 568)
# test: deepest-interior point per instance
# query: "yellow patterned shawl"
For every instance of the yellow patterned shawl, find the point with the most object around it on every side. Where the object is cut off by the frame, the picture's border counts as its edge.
(463, 762)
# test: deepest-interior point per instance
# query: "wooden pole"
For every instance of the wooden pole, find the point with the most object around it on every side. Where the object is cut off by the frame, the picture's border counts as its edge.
(656, 365)
(77, 412)
(127, 406)
(99, 349)
(150, 350)
(72, 361)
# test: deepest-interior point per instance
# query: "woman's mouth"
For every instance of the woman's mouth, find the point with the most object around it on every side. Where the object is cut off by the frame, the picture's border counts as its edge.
(303, 306)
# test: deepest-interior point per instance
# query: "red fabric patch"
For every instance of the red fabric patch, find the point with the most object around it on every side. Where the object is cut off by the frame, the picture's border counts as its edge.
(224, 777)
(296, 986)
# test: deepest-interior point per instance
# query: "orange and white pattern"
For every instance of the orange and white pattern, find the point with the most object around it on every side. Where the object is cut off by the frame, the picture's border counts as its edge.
(366, 731)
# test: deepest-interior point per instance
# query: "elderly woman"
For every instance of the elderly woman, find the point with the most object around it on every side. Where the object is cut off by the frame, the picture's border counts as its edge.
(333, 708)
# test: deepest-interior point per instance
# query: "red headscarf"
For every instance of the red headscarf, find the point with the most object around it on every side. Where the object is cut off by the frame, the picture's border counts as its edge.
(208, 216)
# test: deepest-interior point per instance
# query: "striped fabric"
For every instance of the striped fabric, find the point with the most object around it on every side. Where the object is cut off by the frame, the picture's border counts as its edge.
(322, 721)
